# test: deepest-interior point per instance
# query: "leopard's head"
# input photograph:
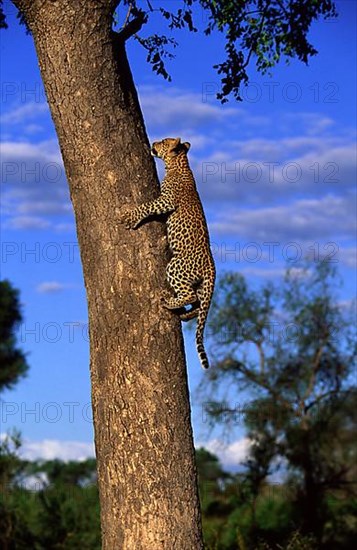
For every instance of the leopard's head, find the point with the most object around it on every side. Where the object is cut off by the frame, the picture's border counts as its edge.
(169, 148)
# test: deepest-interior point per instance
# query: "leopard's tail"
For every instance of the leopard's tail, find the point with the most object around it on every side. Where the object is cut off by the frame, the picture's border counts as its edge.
(191, 314)
(205, 293)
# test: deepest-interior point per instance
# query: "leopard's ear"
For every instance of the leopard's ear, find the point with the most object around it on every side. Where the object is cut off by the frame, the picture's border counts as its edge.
(186, 145)
(175, 143)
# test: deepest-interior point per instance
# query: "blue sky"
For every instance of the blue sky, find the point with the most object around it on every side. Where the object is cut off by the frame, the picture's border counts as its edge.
(276, 173)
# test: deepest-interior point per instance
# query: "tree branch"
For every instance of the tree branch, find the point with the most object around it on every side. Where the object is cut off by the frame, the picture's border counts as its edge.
(262, 382)
(127, 15)
(259, 347)
(114, 4)
(132, 27)
(315, 369)
(302, 409)
(255, 43)
(323, 396)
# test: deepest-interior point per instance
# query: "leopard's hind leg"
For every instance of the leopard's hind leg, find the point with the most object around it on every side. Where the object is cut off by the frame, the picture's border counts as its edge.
(182, 282)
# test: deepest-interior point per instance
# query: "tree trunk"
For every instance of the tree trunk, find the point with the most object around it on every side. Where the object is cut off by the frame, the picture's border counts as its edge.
(143, 436)
(311, 499)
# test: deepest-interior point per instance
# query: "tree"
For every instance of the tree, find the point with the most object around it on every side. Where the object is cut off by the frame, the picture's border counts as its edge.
(293, 348)
(68, 505)
(144, 446)
(13, 363)
(13, 366)
(49, 504)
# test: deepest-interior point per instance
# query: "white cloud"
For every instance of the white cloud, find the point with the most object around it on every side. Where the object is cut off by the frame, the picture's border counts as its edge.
(229, 455)
(327, 218)
(232, 454)
(349, 306)
(262, 272)
(260, 170)
(27, 222)
(25, 112)
(313, 123)
(348, 257)
(181, 109)
(253, 173)
(34, 184)
(22, 150)
(44, 207)
(50, 287)
(32, 129)
(49, 449)
(65, 227)
(319, 157)
(282, 147)
(36, 482)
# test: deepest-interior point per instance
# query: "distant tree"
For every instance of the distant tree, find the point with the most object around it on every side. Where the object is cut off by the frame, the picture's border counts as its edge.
(78, 473)
(144, 445)
(68, 505)
(212, 478)
(292, 347)
(10, 463)
(236, 516)
(49, 504)
(62, 508)
(13, 364)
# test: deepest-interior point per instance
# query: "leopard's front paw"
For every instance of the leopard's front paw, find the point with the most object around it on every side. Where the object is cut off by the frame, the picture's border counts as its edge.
(127, 218)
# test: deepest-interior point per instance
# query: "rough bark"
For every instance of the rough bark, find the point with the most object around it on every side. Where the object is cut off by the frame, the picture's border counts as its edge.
(143, 436)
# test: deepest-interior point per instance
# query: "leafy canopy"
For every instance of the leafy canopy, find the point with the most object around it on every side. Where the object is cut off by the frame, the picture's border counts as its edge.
(259, 31)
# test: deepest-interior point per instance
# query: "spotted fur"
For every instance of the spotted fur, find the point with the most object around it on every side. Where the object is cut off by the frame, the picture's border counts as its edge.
(191, 270)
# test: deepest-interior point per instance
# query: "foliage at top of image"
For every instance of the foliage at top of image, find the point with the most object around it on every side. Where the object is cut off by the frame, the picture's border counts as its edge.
(260, 32)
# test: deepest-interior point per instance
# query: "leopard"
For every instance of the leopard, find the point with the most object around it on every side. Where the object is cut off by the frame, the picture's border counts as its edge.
(191, 270)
